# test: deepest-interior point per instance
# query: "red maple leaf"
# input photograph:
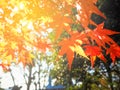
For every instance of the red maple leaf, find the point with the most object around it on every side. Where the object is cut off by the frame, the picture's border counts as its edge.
(101, 35)
(5, 67)
(114, 52)
(93, 52)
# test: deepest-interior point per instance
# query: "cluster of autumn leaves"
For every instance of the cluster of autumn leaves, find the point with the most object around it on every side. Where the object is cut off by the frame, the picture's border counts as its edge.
(24, 29)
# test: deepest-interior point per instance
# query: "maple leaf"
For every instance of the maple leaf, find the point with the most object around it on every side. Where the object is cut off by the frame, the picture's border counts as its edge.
(71, 45)
(79, 50)
(93, 52)
(42, 45)
(79, 37)
(94, 1)
(26, 57)
(5, 67)
(101, 35)
(114, 52)
(60, 23)
(85, 10)
(65, 49)
(10, 49)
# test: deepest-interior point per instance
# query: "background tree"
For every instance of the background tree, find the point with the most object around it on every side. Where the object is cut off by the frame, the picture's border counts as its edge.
(36, 74)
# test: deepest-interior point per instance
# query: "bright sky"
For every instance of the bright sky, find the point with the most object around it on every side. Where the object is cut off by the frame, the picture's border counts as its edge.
(6, 79)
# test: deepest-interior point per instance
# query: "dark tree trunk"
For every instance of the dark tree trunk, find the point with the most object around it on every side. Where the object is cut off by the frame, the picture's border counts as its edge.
(12, 77)
(29, 77)
(84, 85)
(35, 86)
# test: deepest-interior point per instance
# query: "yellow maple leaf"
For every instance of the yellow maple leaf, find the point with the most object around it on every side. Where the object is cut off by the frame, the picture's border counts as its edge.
(79, 50)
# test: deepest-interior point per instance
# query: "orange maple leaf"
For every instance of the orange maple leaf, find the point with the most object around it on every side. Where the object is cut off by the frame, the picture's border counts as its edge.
(65, 49)
(42, 45)
(85, 9)
(60, 23)
(67, 45)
